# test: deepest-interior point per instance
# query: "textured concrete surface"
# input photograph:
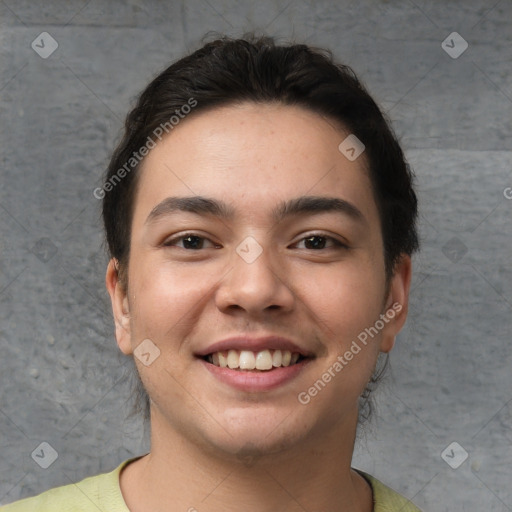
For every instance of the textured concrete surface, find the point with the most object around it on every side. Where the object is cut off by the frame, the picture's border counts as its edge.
(62, 379)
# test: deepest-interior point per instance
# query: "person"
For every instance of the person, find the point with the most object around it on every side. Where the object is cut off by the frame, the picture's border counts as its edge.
(261, 218)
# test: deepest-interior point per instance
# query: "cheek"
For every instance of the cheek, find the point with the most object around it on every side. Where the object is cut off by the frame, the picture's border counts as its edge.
(168, 298)
(165, 308)
(348, 302)
(350, 293)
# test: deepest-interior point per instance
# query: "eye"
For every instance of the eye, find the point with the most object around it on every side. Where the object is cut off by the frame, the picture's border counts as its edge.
(320, 241)
(190, 241)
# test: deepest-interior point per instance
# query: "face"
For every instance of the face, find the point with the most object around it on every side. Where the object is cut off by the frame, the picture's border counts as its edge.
(276, 250)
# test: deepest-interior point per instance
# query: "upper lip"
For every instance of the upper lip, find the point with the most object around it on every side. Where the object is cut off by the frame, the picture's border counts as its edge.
(254, 345)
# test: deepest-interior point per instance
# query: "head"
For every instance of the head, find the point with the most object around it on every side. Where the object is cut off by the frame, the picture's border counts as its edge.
(254, 125)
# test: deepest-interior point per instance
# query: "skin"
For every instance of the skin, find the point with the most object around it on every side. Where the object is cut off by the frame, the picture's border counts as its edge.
(214, 447)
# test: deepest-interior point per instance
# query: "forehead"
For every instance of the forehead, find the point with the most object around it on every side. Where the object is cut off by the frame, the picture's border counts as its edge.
(254, 155)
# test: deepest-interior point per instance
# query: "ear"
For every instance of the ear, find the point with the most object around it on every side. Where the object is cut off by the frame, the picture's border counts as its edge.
(120, 308)
(397, 303)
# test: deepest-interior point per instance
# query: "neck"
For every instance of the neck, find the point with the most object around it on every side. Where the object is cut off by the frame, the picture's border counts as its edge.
(314, 476)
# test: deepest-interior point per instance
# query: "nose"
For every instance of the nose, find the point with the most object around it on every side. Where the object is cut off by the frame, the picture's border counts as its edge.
(255, 286)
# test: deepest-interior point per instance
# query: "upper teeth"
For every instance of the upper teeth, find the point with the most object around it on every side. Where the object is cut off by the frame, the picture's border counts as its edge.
(248, 360)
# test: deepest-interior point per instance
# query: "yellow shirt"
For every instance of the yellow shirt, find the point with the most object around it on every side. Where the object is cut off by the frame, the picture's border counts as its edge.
(101, 493)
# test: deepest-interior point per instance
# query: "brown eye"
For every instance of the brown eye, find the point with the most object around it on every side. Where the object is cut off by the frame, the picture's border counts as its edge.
(189, 241)
(193, 242)
(319, 242)
(315, 242)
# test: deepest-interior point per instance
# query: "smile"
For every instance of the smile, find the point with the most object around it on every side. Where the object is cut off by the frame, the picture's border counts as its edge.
(263, 360)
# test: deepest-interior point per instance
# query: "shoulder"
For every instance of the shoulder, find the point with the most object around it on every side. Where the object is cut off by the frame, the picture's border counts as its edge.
(100, 492)
(386, 499)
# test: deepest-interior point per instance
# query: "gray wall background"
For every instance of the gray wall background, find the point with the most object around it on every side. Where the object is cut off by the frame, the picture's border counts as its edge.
(63, 380)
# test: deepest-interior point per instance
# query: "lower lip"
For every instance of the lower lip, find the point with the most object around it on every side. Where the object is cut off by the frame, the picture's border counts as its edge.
(255, 381)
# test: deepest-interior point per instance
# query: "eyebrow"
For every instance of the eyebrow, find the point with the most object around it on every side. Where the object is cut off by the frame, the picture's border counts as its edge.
(302, 205)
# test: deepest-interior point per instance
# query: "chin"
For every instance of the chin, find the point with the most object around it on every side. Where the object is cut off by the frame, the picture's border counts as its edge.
(255, 438)
(252, 449)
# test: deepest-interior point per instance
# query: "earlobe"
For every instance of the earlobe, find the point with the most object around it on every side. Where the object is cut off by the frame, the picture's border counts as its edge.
(397, 303)
(120, 307)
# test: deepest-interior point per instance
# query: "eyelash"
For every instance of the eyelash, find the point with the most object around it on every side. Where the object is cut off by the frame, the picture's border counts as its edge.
(170, 242)
(336, 243)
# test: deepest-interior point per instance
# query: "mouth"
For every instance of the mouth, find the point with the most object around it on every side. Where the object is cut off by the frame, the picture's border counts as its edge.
(252, 361)
(255, 365)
